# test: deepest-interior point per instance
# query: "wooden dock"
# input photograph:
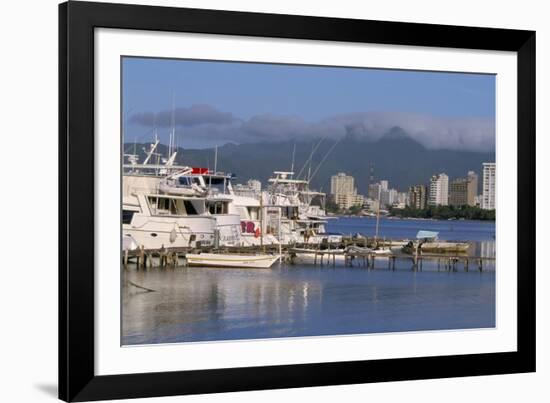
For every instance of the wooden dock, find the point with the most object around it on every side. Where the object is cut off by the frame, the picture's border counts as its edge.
(446, 262)
(331, 256)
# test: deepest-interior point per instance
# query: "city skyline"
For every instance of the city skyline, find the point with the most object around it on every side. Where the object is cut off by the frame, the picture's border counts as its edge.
(439, 190)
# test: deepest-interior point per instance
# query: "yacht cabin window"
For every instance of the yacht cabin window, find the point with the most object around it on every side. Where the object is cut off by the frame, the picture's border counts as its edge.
(218, 207)
(254, 213)
(171, 206)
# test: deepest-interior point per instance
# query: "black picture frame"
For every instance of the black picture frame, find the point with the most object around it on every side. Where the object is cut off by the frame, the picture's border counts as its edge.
(77, 379)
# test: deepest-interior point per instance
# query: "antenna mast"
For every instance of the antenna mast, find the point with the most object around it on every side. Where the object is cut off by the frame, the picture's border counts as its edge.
(215, 159)
(293, 155)
(173, 132)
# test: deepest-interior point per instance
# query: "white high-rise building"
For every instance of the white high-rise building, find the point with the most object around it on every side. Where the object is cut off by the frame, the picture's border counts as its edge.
(439, 190)
(342, 184)
(378, 188)
(344, 192)
(388, 197)
(489, 186)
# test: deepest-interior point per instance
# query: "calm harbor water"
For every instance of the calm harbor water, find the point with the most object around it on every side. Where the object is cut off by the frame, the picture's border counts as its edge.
(200, 304)
(454, 230)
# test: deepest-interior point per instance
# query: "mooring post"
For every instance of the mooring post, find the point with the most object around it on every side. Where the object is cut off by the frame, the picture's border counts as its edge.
(171, 259)
(125, 258)
(141, 257)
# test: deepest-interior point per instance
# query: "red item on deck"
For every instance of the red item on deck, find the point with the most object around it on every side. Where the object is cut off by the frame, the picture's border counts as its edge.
(200, 171)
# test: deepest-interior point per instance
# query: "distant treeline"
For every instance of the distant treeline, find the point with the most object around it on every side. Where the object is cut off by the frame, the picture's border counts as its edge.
(445, 212)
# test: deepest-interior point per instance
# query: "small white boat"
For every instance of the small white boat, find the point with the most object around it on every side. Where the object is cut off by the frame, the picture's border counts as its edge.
(310, 256)
(427, 242)
(261, 261)
(382, 253)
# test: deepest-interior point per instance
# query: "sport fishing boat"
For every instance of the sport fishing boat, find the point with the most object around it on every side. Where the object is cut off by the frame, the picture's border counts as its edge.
(303, 214)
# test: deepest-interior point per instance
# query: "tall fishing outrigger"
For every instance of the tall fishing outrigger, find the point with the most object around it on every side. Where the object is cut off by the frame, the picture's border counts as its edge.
(302, 210)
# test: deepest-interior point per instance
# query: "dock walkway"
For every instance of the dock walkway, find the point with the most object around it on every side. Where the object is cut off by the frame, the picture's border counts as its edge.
(330, 256)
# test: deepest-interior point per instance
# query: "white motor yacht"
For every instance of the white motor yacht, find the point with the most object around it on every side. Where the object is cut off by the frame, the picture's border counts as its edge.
(155, 221)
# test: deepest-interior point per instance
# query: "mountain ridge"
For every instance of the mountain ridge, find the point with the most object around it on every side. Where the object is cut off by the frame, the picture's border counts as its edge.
(396, 156)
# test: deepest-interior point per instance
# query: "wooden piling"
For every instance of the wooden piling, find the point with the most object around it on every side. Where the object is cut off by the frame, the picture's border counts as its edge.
(141, 257)
(125, 258)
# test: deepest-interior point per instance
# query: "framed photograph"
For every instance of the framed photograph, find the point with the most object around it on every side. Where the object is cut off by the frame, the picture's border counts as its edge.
(257, 201)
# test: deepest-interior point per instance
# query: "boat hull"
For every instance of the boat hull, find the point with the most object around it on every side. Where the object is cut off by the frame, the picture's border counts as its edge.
(440, 248)
(174, 232)
(230, 260)
(310, 258)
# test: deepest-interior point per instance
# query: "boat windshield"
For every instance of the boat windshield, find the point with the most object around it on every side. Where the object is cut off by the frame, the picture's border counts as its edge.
(216, 185)
(188, 180)
(171, 206)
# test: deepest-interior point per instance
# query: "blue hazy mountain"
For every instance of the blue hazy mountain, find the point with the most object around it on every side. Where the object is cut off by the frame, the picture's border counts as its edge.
(396, 157)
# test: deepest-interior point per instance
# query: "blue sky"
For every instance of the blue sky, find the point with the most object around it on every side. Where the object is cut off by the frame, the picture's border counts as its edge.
(218, 102)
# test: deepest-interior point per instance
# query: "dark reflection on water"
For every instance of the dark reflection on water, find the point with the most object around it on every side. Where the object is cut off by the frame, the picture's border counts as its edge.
(196, 304)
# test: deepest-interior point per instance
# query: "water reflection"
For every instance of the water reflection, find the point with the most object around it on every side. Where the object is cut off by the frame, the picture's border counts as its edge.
(199, 304)
(196, 304)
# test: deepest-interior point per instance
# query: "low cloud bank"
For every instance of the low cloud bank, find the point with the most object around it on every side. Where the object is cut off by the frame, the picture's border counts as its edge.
(212, 125)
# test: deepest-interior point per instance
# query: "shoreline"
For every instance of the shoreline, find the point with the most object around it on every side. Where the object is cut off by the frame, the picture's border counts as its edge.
(405, 218)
